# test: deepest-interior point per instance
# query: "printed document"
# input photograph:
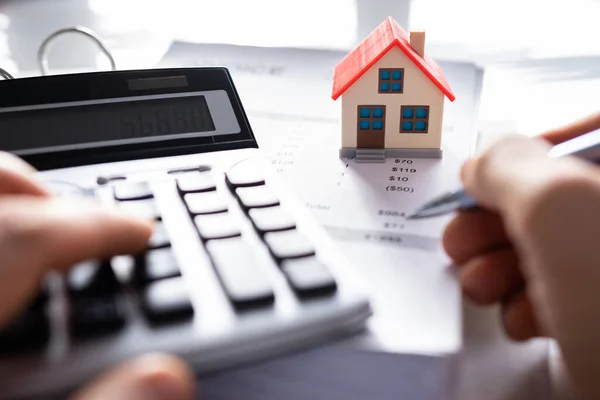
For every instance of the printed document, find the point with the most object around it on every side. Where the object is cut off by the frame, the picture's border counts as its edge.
(287, 95)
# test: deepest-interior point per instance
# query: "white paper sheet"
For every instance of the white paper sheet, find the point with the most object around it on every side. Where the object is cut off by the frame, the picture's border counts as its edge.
(287, 95)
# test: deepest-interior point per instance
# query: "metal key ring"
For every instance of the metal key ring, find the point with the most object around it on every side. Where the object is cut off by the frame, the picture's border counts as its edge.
(44, 47)
(5, 74)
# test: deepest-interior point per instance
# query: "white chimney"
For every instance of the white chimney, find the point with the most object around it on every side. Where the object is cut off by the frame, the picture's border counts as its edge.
(417, 42)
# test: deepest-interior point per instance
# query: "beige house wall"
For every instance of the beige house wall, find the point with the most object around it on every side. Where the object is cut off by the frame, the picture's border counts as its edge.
(418, 90)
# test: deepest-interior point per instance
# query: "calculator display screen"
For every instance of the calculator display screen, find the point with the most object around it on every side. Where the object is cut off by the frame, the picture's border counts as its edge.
(105, 122)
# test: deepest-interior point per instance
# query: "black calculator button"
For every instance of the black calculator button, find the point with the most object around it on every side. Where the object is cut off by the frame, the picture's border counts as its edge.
(205, 203)
(216, 226)
(256, 196)
(195, 182)
(156, 264)
(308, 276)
(30, 329)
(160, 236)
(145, 209)
(125, 191)
(243, 176)
(92, 278)
(92, 316)
(167, 300)
(289, 244)
(240, 272)
(271, 219)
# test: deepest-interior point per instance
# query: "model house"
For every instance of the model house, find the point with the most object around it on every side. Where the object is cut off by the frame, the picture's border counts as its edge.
(392, 97)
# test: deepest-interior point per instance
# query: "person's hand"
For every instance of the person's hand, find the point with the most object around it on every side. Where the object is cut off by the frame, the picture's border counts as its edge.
(40, 233)
(533, 247)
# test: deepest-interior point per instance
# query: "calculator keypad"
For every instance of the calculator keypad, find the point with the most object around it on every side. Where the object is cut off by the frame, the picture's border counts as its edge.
(125, 191)
(205, 203)
(167, 301)
(156, 264)
(240, 272)
(236, 241)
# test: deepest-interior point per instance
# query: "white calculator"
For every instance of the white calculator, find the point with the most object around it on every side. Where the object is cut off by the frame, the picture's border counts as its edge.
(236, 270)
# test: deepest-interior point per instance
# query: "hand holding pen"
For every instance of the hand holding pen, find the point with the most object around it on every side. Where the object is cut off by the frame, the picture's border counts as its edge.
(531, 244)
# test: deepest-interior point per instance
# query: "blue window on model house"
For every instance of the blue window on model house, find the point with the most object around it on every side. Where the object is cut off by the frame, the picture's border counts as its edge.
(391, 80)
(414, 119)
(371, 117)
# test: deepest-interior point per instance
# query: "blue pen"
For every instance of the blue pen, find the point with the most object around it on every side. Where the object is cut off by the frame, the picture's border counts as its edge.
(586, 147)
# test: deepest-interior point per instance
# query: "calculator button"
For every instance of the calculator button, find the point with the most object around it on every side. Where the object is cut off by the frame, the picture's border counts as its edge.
(205, 203)
(289, 244)
(196, 182)
(145, 209)
(239, 271)
(160, 237)
(125, 191)
(92, 278)
(271, 219)
(28, 330)
(243, 176)
(308, 276)
(93, 316)
(256, 196)
(167, 300)
(156, 264)
(216, 226)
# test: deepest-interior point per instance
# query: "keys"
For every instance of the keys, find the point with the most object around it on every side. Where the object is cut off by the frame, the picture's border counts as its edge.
(156, 264)
(242, 176)
(308, 276)
(205, 203)
(195, 182)
(93, 316)
(160, 237)
(28, 330)
(92, 278)
(256, 196)
(240, 272)
(167, 300)
(289, 244)
(146, 209)
(125, 191)
(93, 299)
(216, 226)
(271, 219)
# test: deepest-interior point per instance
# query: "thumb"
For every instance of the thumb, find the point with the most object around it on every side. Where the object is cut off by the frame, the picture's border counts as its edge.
(148, 377)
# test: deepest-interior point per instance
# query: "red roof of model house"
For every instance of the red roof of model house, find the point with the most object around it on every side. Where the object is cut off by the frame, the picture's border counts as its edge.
(387, 35)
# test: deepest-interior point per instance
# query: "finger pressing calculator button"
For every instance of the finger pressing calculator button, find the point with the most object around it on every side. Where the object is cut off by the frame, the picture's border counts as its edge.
(156, 264)
(240, 272)
(216, 226)
(271, 219)
(92, 278)
(91, 316)
(289, 244)
(256, 196)
(145, 209)
(308, 276)
(160, 237)
(205, 203)
(167, 300)
(125, 191)
(195, 182)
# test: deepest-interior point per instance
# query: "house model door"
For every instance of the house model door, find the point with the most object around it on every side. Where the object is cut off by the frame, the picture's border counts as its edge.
(370, 130)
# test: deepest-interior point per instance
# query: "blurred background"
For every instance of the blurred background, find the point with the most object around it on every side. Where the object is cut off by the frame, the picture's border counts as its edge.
(528, 47)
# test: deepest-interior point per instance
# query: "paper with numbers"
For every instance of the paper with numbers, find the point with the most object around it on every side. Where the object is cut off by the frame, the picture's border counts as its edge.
(287, 95)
